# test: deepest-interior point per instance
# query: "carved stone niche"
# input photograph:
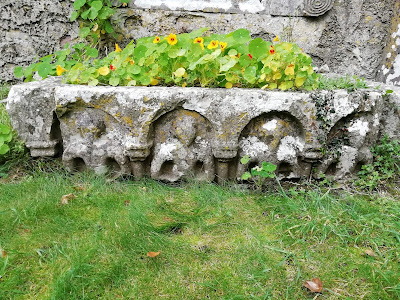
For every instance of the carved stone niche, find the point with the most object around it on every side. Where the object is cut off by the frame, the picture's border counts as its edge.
(348, 145)
(182, 147)
(278, 138)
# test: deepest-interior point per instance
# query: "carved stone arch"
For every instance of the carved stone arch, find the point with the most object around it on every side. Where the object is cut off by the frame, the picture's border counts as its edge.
(347, 145)
(182, 147)
(276, 137)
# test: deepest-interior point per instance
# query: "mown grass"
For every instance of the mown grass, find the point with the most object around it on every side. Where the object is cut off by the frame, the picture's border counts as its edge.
(215, 242)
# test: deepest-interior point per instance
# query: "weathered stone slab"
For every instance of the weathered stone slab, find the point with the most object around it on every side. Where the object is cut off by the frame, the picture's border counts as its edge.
(171, 133)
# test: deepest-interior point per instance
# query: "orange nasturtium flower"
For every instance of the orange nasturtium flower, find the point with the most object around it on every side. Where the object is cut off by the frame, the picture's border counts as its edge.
(271, 50)
(156, 40)
(171, 39)
(60, 70)
(132, 62)
(213, 45)
(276, 39)
(223, 45)
(199, 40)
(117, 48)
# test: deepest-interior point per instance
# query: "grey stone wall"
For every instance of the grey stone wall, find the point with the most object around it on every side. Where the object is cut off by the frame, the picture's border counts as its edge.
(350, 37)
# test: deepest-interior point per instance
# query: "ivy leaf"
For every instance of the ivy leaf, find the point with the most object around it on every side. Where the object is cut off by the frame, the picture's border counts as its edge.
(79, 3)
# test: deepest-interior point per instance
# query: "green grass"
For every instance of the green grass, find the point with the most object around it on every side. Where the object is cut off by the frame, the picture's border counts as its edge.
(215, 242)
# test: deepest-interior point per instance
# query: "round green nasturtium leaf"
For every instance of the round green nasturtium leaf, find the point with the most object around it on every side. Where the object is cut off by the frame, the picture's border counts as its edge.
(250, 74)
(232, 52)
(135, 69)
(93, 13)
(93, 82)
(73, 16)
(231, 63)
(258, 47)
(44, 69)
(92, 52)
(83, 32)
(145, 80)
(84, 15)
(114, 81)
(241, 35)
(140, 51)
(244, 61)
(105, 12)
(79, 3)
(97, 5)
(18, 72)
(4, 149)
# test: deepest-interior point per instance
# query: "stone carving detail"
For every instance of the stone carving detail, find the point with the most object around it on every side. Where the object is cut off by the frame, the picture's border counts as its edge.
(182, 147)
(348, 143)
(315, 8)
(171, 133)
(277, 138)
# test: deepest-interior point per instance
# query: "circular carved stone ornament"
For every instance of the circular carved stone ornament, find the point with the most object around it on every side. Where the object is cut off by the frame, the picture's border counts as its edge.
(315, 8)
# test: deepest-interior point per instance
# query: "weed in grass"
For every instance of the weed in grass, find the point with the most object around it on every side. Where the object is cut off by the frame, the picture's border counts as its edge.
(347, 82)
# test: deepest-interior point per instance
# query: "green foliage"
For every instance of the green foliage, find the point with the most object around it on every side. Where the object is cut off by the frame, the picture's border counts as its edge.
(95, 16)
(346, 82)
(385, 167)
(190, 59)
(5, 138)
(258, 174)
(55, 64)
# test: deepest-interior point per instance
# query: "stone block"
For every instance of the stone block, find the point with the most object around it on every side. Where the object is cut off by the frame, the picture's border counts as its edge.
(171, 133)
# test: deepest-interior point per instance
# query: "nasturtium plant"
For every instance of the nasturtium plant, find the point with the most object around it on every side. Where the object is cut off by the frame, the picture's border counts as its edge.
(189, 59)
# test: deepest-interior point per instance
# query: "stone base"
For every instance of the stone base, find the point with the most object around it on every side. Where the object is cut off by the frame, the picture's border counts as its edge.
(170, 133)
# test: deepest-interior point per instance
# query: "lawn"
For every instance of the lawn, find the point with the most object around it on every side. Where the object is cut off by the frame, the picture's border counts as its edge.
(214, 242)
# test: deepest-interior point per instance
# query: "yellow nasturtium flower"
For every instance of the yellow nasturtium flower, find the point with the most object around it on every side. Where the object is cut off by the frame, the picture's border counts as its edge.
(156, 40)
(223, 45)
(213, 45)
(104, 71)
(289, 70)
(200, 41)
(60, 70)
(117, 48)
(171, 39)
(276, 39)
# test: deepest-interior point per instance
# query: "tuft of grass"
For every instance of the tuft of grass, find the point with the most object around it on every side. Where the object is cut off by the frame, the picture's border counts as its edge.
(215, 242)
(347, 83)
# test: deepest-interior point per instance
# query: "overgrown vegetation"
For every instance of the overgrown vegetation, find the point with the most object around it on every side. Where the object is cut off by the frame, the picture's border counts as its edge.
(349, 83)
(386, 165)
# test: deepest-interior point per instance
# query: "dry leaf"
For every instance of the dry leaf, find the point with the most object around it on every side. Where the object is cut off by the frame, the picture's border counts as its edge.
(369, 252)
(66, 198)
(315, 285)
(79, 188)
(153, 254)
(127, 203)
(3, 253)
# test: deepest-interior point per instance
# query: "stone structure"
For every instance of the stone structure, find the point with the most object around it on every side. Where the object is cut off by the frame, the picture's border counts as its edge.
(172, 132)
(347, 36)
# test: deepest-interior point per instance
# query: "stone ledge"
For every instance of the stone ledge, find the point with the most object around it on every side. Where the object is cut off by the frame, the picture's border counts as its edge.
(170, 133)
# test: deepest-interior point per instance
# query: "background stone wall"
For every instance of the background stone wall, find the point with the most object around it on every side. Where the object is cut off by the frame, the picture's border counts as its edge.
(353, 37)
